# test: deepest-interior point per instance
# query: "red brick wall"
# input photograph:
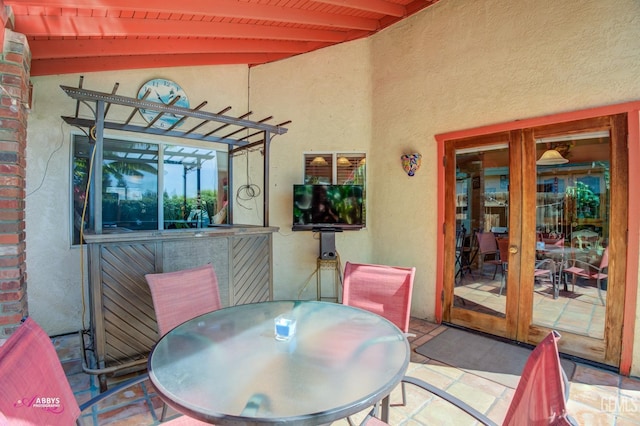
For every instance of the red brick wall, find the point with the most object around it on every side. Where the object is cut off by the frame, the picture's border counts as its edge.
(15, 61)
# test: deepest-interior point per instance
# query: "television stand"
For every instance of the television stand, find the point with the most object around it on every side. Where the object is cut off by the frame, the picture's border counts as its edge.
(328, 273)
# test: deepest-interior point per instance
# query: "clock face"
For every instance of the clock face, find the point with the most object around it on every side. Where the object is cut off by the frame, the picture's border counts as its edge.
(164, 91)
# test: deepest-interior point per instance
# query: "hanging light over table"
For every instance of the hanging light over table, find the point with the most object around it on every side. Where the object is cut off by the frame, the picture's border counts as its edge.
(551, 157)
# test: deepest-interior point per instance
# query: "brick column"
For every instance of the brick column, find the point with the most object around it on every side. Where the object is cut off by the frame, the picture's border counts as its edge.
(15, 62)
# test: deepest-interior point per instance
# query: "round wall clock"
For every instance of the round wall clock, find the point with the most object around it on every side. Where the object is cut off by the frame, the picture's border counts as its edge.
(165, 91)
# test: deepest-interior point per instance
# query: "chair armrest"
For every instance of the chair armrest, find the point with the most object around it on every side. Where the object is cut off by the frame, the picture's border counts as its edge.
(119, 387)
(371, 420)
(451, 399)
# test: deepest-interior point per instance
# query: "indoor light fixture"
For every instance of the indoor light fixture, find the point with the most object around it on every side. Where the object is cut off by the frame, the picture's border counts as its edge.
(344, 162)
(551, 157)
(319, 161)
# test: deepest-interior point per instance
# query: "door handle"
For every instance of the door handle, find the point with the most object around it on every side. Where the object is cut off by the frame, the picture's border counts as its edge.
(513, 249)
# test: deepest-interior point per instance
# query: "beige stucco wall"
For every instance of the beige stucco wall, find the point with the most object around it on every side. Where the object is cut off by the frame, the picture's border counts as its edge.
(456, 65)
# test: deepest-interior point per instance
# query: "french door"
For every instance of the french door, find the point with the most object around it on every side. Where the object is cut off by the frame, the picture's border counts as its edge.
(535, 234)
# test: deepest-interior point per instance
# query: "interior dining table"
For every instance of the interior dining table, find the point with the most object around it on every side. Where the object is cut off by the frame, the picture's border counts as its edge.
(227, 367)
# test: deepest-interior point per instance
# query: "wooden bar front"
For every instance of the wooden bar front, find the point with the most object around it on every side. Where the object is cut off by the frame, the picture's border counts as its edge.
(123, 323)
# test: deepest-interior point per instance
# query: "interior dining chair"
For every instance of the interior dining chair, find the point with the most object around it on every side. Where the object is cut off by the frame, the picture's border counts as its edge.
(503, 249)
(545, 270)
(463, 253)
(488, 250)
(583, 269)
(539, 399)
(182, 295)
(34, 389)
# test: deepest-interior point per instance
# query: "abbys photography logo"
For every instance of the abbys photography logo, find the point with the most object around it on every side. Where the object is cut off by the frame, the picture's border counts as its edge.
(50, 404)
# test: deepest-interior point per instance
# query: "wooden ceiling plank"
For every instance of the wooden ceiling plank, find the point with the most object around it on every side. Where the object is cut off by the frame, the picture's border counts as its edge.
(377, 6)
(61, 26)
(220, 8)
(96, 64)
(70, 48)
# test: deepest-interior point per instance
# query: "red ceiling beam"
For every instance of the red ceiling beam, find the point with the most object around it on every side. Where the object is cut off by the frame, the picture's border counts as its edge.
(217, 8)
(377, 6)
(97, 64)
(68, 26)
(74, 48)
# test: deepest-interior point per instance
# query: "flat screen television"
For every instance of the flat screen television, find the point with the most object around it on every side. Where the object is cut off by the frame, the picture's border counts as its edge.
(327, 207)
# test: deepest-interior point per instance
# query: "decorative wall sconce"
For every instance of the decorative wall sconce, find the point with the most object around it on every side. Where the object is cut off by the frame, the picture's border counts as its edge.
(411, 162)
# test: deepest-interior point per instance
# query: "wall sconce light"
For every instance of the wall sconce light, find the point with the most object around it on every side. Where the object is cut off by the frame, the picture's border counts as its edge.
(411, 162)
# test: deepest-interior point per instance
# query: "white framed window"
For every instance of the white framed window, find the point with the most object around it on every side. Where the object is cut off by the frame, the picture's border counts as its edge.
(337, 168)
(191, 180)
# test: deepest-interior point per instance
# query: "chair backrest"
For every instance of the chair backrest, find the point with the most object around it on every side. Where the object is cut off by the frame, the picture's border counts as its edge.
(503, 247)
(182, 295)
(541, 394)
(383, 290)
(487, 242)
(33, 387)
(585, 239)
(604, 261)
(460, 236)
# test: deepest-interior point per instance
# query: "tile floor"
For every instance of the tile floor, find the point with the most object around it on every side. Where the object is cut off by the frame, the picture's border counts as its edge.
(597, 396)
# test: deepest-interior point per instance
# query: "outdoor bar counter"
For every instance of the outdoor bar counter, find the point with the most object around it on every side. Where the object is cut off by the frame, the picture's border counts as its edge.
(123, 324)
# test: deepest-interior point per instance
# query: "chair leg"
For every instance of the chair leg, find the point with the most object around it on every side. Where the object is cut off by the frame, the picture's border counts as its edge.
(164, 412)
(404, 396)
(599, 291)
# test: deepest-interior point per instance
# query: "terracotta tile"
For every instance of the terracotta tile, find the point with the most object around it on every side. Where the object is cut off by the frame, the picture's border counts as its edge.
(592, 376)
(132, 414)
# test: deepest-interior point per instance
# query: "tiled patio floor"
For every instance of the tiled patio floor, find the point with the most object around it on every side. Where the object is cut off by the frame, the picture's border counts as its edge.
(597, 396)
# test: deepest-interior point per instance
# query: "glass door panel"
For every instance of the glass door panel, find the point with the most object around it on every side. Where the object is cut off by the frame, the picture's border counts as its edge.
(572, 233)
(482, 224)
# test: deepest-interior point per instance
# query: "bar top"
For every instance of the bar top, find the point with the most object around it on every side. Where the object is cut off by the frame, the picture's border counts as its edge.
(118, 235)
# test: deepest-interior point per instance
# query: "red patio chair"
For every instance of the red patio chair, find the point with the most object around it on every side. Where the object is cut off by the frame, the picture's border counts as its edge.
(383, 290)
(34, 389)
(540, 397)
(183, 295)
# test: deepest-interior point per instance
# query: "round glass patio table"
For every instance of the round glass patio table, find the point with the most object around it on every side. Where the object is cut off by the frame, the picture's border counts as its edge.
(226, 367)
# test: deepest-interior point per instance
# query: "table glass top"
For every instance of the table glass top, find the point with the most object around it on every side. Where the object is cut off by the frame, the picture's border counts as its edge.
(227, 365)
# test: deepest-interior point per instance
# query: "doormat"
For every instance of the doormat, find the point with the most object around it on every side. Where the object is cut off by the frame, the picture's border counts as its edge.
(483, 356)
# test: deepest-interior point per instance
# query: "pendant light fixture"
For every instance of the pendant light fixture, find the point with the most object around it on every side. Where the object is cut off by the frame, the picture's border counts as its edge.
(551, 157)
